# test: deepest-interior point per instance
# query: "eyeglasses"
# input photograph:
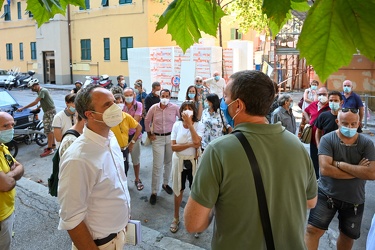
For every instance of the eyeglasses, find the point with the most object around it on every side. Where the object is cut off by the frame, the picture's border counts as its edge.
(353, 110)
(198, 80)
(319, 94)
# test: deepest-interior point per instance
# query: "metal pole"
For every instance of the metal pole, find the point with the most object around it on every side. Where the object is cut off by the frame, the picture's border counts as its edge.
(366, 108)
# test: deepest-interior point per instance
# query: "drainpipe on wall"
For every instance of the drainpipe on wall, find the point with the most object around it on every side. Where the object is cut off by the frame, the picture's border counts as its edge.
(70, 47)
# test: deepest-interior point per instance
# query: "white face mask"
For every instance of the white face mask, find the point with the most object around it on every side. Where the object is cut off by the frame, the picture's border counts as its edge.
(164, 101)
(188, 112)
(112, 116)
(157, 93)
(322, 98)
(121, 105)
(128, 99)
(122, 81)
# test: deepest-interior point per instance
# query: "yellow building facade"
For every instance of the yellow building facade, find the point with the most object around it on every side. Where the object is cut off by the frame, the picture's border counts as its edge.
(91, 41)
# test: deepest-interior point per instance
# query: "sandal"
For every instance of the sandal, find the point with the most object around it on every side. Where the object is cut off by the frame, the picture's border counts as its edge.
(174, 226)
(139, 185)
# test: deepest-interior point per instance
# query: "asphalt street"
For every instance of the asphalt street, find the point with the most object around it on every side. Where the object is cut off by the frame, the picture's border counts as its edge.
(37, 212)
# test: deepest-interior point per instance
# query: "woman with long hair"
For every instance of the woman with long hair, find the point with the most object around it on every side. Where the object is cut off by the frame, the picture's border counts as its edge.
(186, 141)
(192, 95)
(215, 124)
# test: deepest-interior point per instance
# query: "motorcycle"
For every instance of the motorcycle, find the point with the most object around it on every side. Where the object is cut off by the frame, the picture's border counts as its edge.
(34, 132)
(18, 80)
(10, 81)
(103, 81)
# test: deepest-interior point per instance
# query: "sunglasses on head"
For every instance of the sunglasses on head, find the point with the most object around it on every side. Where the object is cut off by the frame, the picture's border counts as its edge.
(353, 110)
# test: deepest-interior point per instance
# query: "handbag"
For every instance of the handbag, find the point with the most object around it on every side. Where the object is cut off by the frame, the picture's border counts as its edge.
(300, 103)
(225, 129)
(261, 194)
(306, 134)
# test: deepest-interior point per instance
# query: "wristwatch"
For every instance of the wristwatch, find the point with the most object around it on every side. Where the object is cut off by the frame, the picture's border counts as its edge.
(132, 141)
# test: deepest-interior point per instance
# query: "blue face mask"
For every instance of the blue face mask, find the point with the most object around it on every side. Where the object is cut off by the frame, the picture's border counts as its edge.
(224, 108)
(191, 96)
(198, 86)
(348, 132)
(6, 135)
(347, 89)
(334, 106)
(72, 109)
(313, 87)
(217, 78)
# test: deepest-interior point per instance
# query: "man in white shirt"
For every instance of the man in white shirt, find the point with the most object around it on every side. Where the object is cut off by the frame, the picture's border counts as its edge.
(216, 84)
(64, 119)
(93, 190)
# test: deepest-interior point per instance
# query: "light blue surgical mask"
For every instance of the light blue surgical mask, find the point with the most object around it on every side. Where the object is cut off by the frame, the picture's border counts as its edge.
(313, 87)
(347, 89)
(291, 105)
(348, 132)
(334, 106)
(198, 86)
(72, 109)
(128, 99)
(217, 78)
(191, 96)
(6, 135)
(224, 108)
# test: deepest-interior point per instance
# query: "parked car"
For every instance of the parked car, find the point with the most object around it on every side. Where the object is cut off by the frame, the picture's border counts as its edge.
(9, 104)
(3, 77)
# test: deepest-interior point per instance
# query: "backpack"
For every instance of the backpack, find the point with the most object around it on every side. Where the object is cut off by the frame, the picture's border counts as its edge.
(53, 180)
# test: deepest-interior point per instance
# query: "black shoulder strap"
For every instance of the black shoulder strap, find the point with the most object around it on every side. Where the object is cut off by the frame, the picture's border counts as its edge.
(71, 132)
(261, 195)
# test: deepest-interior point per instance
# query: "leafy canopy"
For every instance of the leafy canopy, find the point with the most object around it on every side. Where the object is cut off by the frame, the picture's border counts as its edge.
(333, 31)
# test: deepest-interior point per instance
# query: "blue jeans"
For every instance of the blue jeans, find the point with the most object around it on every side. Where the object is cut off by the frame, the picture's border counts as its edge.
(349, 219)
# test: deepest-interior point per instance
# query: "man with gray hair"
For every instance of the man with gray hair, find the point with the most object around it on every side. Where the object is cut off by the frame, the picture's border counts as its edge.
(284, 113)
(93, 189)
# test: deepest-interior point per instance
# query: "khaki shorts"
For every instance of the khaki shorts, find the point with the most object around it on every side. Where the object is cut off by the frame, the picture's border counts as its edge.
(48, 119)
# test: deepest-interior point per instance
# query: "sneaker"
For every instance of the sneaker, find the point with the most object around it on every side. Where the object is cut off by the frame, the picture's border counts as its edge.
(167, 189)
(153, 199)
(47, 151)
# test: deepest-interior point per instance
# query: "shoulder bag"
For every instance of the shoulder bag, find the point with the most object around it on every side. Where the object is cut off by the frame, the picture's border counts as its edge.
(261, 195)
(306, 134)
(225, 129)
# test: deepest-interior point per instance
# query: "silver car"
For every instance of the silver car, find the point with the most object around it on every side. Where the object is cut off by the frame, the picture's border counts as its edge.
(3, 77)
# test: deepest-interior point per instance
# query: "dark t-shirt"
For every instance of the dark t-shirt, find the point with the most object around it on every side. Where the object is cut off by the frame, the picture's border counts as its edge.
(353, 101)
(326, 122)
(151, 100)
(348, 190)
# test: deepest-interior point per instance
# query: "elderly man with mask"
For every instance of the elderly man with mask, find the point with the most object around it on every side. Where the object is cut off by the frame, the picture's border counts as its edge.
(10, 172)
(216, 84)
(347, 160)
(353, 100)
(311, 113)
(284, 113)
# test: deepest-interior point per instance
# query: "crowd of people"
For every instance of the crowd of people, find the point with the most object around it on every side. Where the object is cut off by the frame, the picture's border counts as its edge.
(200, 140)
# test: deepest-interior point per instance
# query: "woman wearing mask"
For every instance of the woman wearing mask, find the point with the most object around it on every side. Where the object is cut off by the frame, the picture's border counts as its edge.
(186, 140)
(192, 95)
(213, 120)
(121, 131)
(310, 95)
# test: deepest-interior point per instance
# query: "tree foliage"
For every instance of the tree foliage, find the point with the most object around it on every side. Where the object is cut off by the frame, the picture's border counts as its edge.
(333, 31)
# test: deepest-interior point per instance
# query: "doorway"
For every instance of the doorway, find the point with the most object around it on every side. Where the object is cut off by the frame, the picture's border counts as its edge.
(49, 67)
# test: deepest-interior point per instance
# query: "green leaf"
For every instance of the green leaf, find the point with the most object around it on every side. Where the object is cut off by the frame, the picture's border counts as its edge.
(43, 10)
(276, 10)
(187, 18)
(300, 6)
(275, 28)
(331, 34)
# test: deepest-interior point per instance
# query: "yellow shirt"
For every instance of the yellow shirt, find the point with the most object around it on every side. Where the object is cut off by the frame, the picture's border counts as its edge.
(6, 198)
(121, 131)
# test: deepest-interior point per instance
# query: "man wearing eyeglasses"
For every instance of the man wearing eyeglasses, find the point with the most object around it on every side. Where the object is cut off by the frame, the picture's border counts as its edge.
(10, 172)
(346, 160)
(352, 100)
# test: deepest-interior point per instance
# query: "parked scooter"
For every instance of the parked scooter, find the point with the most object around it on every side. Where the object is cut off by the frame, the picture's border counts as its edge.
(103, 81)
(18, 80)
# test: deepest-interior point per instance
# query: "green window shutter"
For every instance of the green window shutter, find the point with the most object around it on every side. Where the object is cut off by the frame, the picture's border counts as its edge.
(107, 55)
